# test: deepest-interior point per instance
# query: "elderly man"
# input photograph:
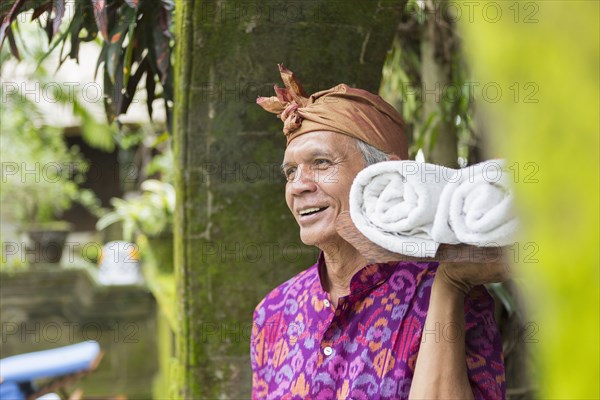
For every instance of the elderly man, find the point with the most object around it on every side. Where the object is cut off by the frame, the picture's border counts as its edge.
(347, 329)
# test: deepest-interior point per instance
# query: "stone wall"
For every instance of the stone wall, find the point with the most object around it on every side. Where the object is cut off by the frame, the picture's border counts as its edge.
(49, 306)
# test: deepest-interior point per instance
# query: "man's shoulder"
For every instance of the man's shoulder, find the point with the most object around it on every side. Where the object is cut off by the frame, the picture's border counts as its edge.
(291, 287)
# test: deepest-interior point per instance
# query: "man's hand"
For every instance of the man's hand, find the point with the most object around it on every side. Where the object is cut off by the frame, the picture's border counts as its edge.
(464, 276)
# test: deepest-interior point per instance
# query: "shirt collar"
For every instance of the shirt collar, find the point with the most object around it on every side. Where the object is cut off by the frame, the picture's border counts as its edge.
(366, 278)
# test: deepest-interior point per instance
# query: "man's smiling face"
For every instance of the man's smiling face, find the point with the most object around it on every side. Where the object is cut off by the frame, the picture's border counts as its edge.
(319, 168)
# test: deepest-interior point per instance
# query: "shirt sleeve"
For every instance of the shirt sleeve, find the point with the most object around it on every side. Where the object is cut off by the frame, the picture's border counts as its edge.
(253, 338)
(483, 342)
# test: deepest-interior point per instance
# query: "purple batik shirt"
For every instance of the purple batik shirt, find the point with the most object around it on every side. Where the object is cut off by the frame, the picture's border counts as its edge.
(365, 348)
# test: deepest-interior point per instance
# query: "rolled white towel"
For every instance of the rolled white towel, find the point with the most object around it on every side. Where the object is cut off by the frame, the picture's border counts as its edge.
(393, 203)
(476, 207)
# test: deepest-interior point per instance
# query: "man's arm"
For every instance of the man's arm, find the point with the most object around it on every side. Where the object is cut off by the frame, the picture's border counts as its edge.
(441, 368)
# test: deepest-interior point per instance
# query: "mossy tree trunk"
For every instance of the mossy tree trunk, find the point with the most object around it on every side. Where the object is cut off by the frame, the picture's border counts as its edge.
(425, 78)
(441, 148)
(235, 239)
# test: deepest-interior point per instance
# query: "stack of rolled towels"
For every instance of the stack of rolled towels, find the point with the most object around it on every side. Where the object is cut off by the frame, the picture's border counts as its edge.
(411, 207)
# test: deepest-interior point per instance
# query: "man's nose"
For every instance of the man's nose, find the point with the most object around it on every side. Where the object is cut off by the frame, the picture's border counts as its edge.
(304, 181)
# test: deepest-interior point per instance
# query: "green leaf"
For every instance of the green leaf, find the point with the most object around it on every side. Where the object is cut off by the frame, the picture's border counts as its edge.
(132, 3)
(113, 55)
(108, 219)
(504, 296)
(426, 129)
(109, 97)
(96, 134)
(53, 46)
(128, 54)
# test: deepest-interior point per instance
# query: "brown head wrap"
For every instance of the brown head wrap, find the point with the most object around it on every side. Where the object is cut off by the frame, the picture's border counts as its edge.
(341, 109)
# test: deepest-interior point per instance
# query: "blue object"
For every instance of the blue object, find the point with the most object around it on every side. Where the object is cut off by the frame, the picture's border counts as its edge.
(11, 391)
(47, 364)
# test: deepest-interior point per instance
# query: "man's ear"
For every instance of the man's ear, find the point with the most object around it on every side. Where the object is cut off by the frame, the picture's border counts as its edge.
(394, 157)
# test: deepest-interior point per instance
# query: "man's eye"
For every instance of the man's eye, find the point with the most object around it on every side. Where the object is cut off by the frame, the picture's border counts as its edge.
(321, 162)
(289, 173)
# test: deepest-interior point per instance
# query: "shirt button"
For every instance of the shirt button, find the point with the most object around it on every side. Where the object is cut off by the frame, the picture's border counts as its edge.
(328, 351)
(326, 302)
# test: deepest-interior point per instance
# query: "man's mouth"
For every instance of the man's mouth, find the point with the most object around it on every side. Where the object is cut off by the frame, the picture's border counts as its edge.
(311, 211)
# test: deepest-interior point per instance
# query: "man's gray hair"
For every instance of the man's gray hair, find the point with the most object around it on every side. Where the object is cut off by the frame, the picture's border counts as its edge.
(370, 153)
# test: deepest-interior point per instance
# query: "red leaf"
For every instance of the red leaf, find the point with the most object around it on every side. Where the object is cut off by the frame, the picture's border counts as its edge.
(115, 38)
(162, 53)
(59, 10)
(101, 58)
(127, 98)
(40, 10)
(13, 45)
(101, 17)
(8, 18)
(49, 29)
(150, 87)
(164, 20)
(132, 3)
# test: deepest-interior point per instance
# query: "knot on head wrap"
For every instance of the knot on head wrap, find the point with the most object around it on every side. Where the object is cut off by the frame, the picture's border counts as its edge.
(341, 109)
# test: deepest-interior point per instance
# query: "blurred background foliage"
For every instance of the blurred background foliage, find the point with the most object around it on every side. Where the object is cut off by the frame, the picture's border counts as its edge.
(48, 186)
(136, 42)
(558, 50)
(544, 57)
(27, 143)
(34, 51)
(426, 77)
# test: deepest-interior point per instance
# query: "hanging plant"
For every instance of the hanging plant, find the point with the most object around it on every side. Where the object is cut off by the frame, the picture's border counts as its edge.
(136, 43)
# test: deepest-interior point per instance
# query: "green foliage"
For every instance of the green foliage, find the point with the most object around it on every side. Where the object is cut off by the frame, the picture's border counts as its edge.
(96, 134)
(41, 174)
(10, 264)
(162, 164)
(396, 88)
(151, 213)
(555, 46)
(404, 84)
(45, 174)
(136, 43)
